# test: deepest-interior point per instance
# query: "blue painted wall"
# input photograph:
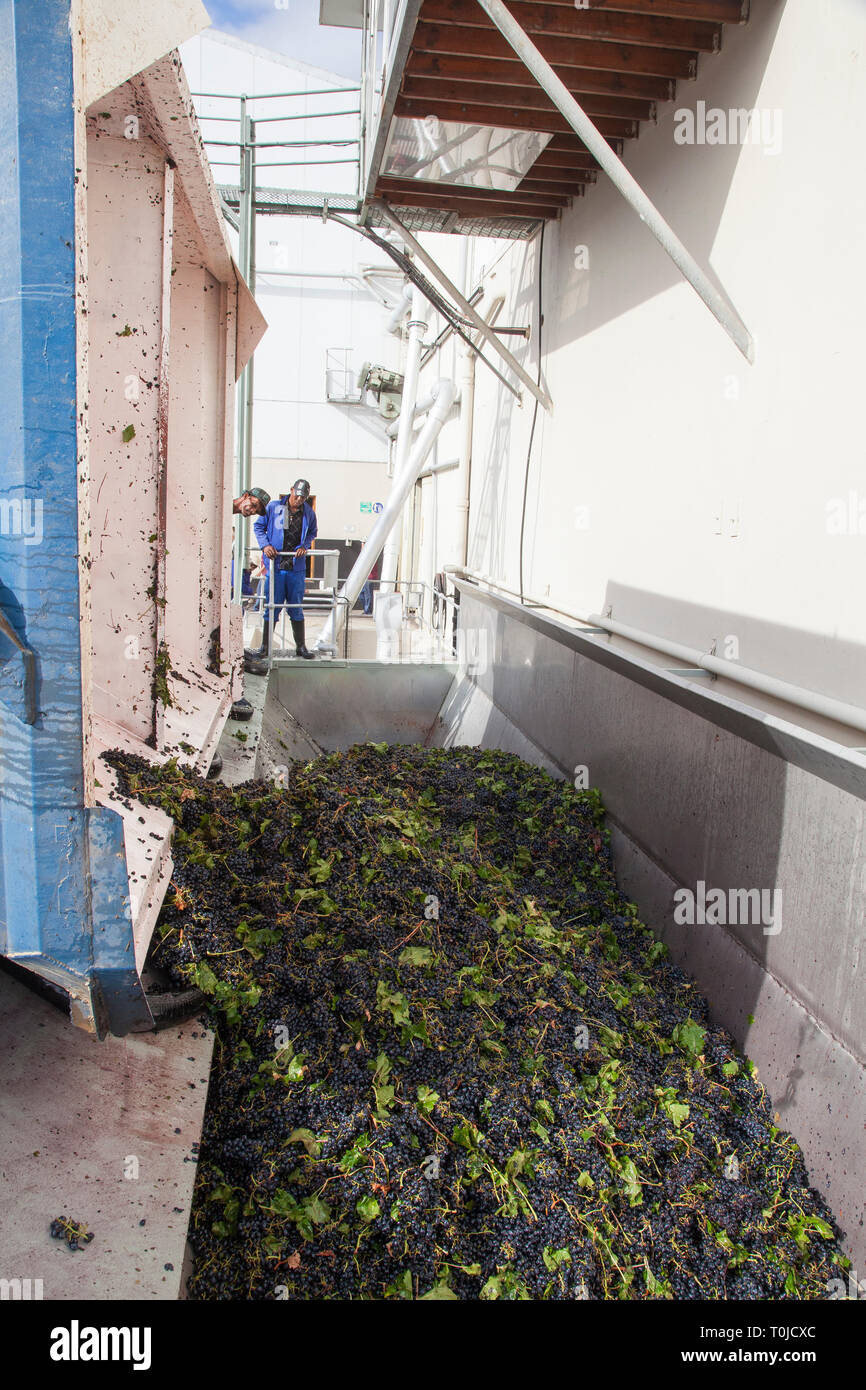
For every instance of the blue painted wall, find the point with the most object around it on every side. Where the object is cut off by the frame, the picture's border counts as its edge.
(63, 881)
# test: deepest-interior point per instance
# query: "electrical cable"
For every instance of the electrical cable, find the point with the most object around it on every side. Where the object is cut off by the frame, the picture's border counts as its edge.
(535, 410)
(441, 305)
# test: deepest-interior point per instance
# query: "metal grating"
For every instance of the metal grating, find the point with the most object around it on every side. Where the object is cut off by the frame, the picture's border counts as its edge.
(441, 220)
(298, 202)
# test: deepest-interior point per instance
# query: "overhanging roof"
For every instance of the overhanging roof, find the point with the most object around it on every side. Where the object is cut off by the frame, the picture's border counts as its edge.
(619, 58)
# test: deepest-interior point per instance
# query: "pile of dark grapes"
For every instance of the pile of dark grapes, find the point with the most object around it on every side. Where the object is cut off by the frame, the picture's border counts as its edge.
(450, 1060)
(74, 1233)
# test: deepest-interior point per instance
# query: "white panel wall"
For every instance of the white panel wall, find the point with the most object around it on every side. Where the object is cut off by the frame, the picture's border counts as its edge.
(340, 487)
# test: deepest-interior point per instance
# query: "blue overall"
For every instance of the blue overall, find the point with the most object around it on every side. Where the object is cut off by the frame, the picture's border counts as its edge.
(288, 584)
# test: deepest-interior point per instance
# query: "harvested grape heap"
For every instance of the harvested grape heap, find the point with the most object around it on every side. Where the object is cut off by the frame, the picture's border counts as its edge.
(450, 1060)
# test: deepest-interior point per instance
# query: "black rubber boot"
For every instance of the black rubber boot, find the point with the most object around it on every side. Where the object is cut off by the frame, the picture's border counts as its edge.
(256, 659)
(300, 647)
(257, 653)
(242, 709)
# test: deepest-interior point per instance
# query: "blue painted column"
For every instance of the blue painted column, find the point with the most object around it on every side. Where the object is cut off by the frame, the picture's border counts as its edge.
(64, 907)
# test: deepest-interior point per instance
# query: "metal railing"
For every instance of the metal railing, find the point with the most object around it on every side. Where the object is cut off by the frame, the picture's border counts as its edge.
(323, 598)
(426, 631)
(388, 27)
(248, 125)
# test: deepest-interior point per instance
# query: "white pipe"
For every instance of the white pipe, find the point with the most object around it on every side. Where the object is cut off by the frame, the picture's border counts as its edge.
(466, 384)
(421, 408)
(447, 467)
(619, 174)
(811, 700)
(388, 518)
(836, 710)
(417, 327)
(396, 318)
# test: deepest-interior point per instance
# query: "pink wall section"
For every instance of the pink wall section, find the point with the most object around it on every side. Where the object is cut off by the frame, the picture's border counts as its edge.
(163, 324)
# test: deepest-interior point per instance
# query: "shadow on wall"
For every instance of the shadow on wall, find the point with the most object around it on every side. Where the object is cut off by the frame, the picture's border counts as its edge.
(690, 183)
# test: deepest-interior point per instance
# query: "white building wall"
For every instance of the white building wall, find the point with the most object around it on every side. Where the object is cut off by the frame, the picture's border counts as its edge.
(694, 494)
(345, 494)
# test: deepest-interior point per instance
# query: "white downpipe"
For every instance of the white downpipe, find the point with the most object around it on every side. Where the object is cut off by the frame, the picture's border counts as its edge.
(396, 318)
(417, 327)
(421, 408)
(388, 519)
(466, 384)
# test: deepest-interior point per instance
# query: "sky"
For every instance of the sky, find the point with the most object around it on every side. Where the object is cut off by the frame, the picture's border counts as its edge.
(290, 27)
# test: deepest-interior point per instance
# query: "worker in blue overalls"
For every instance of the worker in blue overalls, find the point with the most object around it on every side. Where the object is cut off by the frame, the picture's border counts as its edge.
(288, 526)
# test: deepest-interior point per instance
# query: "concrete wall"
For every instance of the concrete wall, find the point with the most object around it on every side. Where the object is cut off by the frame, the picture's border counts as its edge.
(697, 496)
(694, 794)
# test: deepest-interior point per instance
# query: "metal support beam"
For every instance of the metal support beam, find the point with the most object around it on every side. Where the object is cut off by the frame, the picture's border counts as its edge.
(487, 333)
(624, 181)
(247, 257)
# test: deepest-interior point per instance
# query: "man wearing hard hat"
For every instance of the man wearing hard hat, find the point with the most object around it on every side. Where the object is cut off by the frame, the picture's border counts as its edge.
(288, 526)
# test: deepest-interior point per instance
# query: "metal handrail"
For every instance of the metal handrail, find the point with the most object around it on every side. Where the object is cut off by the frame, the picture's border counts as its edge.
(596, 626)
(436, 608)
(271, 605)
(433, 608)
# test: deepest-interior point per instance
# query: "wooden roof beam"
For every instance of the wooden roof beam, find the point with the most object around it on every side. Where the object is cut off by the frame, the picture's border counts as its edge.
(567, 159)
(508, 117)
(568, 184)
(613, 26)
(540, 210)
(716, 11)
(458, 67)
(407, 189)
(533, 98)
(559, 51)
